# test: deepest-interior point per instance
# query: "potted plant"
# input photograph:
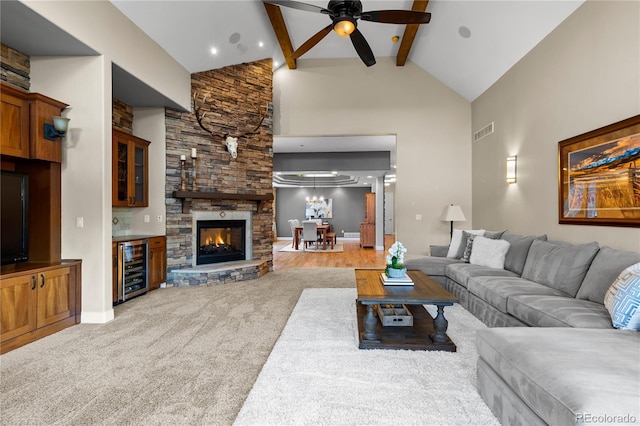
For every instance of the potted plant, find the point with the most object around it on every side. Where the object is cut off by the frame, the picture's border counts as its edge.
(395, 261)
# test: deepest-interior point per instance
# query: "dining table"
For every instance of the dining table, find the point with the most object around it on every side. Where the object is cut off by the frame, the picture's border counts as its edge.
(323, 229)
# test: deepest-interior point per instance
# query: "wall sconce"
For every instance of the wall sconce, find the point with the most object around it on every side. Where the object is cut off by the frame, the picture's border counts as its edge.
(512, 169)
(57, 129)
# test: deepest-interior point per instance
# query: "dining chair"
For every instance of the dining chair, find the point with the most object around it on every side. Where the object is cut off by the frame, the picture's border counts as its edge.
(293, 223)
(310, 232)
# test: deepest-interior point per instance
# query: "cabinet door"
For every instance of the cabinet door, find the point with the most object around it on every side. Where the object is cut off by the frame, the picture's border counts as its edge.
(17, 306)
(157, 262)
(139, 186)
(14, 131)
(55, 296)
(130, 171)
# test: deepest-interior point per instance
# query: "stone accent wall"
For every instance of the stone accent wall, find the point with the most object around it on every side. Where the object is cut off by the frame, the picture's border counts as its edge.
(234, 97)
(122, 116)
(15, 67)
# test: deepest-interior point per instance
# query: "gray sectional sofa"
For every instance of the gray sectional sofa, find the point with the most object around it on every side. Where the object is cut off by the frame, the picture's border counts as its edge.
(551, 355)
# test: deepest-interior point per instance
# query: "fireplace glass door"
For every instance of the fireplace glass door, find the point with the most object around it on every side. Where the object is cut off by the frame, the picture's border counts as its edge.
(220, 241)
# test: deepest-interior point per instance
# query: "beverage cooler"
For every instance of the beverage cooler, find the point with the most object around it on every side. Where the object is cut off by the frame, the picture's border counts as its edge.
(133, 270)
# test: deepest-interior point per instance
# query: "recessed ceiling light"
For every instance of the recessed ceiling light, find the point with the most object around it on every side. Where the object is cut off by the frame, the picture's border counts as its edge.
(260, 44)
(276, 64)
(214, 51)
(369, 177)
(464, 32)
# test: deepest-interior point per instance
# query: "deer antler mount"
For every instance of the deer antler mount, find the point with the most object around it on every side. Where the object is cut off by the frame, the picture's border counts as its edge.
(230, 140)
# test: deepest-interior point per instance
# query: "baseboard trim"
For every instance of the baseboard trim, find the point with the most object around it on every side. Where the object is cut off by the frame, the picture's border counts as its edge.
(97, 317)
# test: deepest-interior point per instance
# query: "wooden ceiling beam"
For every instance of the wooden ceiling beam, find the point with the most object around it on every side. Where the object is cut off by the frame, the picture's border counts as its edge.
(280, 28)
(409, 35)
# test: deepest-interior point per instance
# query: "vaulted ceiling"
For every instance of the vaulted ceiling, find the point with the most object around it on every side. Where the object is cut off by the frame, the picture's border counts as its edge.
(467, 45)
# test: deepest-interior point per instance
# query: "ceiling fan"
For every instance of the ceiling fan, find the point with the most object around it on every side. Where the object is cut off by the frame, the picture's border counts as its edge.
(344, 21)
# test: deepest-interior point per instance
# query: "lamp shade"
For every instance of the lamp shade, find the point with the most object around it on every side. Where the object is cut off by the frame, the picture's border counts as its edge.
(453, 213)
(61, 124)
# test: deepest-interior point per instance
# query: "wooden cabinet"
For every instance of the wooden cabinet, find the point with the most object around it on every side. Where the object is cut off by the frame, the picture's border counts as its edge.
(23, 116)
(36, 301)
(41, 111)
(14, 116)
(114, 272)
(368, 227)
(157, 262)
(130, 170)
(156, 266)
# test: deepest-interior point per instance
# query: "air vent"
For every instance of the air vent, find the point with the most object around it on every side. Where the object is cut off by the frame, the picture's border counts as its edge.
(485, 131)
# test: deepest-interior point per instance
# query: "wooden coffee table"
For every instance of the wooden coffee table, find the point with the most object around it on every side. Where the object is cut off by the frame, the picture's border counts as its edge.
(427, 333)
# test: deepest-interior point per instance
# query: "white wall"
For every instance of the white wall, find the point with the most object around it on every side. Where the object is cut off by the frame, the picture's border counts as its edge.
(432, 124)
(148, 124)
(85, 84)
(101, 26)
(584, 75)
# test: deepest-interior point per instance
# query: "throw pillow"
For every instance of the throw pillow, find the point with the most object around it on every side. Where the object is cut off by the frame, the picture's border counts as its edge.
(623, 298)
(468, 247)
(517, 254)
(489, 252)
(457, 246)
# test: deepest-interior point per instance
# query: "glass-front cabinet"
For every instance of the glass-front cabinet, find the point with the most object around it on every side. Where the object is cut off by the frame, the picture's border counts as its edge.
(130, 184)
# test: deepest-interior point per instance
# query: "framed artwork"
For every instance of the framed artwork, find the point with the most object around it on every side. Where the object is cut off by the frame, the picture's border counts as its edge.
(599, 176)
(319, 209)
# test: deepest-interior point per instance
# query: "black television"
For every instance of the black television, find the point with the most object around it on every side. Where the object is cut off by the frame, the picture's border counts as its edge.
(14, 217)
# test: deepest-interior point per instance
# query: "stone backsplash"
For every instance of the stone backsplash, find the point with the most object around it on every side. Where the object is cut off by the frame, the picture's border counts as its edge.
(235, 97)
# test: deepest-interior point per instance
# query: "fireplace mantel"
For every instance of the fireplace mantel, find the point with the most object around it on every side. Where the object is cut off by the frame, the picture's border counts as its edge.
(188, 196)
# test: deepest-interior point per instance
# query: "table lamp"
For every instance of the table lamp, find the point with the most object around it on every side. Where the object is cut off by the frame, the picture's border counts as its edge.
(453, 214)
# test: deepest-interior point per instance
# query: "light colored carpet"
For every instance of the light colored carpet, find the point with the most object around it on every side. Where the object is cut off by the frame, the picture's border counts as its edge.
(317, 375)
(175, 356)
(338, 248)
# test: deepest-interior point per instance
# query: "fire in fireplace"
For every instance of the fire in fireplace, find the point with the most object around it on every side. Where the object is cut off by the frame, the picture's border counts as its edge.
(220, 241)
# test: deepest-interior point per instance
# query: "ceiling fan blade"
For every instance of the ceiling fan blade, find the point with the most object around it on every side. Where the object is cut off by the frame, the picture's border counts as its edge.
(396, 16)
(315, 39)
(298, 5)
(362, 48)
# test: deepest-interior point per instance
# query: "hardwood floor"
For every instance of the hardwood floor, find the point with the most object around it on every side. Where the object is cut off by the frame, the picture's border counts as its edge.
(352, 257)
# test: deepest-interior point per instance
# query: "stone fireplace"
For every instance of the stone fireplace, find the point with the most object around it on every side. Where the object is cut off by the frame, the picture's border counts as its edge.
(219, 188)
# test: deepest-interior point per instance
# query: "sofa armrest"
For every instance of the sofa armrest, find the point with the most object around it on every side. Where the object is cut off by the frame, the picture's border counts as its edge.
(439, 251)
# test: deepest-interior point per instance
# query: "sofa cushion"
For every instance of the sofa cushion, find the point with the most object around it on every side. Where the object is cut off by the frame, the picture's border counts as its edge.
(494, 235)
(604, 270)
(430, 265)
(497, 290)
(488, 252)
(558, 311)
(623, 298)
(559, 265)
(458, 243)
(518, 250)
(460, 272)
(565, 373)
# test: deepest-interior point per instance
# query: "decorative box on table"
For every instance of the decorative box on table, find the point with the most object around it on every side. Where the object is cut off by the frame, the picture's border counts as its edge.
(394, 315)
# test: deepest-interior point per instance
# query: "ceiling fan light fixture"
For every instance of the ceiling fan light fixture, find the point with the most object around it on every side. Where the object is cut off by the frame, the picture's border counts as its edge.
(344, 26)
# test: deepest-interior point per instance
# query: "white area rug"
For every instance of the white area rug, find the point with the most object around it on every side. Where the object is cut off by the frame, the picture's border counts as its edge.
(338, 248)
(317, 375)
